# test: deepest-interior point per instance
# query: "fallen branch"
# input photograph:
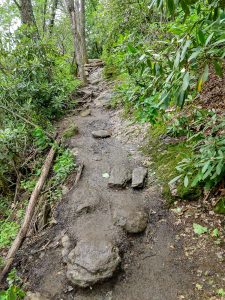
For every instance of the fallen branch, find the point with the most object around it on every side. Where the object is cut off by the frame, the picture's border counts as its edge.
(29, 212)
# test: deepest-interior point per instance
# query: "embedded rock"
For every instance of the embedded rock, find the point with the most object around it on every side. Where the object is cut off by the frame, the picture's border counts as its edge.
(85, 113)
(104, 99)
(92, 261)
(86, 200)
(119, 177)
(138, 177)
(131, 219)
(101, 134)
(35, 296)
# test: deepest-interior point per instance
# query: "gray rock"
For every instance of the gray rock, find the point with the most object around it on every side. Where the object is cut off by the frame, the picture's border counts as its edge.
(138, 177)
(104, 99)
(92, 261)
(131, 219)
(86, 200)
(119, 177)
(66, 247)
(85, 112)
(35, 296)
(87, 206)
(101, 134)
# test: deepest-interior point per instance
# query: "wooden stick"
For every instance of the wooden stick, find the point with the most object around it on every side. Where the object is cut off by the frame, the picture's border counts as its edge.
(79, 173)
(29, 212)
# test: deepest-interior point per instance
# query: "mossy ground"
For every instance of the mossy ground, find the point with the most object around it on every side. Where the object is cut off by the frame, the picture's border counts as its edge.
(165, 157)
(70, 131)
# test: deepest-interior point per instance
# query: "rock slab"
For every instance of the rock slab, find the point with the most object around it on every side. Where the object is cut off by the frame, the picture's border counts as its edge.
(101, 134)
(138, 177)
(119, 177)
(92, 261)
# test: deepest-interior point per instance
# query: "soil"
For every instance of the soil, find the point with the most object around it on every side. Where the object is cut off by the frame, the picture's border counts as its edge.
(157, 263)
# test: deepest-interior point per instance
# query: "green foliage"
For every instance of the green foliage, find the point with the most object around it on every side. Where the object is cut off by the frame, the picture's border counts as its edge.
(14, 292)
(70, 131)
(8, 232)
(37, 77)
(221, 292)
(41, 140)
(199, 229)
(165, 61)
(220, 206)
(64, 164)
(207, 165)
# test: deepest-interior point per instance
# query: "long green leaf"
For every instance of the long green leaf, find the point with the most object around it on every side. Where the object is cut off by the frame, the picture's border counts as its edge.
(186, 81)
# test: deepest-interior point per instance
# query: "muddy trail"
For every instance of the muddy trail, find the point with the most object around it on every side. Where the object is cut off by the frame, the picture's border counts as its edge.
(113, 237)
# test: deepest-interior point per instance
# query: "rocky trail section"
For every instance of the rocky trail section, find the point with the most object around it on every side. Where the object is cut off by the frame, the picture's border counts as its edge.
(112, 239)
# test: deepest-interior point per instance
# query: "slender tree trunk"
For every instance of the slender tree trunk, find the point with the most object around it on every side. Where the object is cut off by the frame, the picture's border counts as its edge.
(82, 31)
(44, 16)
(52, 20)
(77, 38)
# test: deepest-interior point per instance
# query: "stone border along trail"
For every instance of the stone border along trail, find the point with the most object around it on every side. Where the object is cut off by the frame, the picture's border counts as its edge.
(112, 239)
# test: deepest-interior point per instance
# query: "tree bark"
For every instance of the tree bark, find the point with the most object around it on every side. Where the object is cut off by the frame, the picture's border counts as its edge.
(53, 13)
(44, 16)
(82, 31)
(75, 24)
(26, 12)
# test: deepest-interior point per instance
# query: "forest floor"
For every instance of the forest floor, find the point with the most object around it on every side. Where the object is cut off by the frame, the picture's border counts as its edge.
(164, 260)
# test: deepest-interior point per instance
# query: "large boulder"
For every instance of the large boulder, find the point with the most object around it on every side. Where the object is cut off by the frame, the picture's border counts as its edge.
(92, 261)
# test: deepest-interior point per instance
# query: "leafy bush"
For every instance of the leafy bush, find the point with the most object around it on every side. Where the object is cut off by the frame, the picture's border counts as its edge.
(14, 292)
(38, 77)
(8, 232)
(64, 164)
(207, 164)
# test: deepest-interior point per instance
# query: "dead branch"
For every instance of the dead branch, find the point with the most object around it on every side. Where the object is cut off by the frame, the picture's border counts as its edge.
(29, 212)
(79, 173)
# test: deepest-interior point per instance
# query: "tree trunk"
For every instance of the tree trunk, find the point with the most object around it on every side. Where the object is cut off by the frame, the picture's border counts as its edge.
(82, 31)
(75, 24)
(26, 12)
(44, 16)
(52, 20)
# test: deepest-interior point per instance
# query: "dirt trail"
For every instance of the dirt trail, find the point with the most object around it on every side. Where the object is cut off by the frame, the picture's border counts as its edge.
(152, 263)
